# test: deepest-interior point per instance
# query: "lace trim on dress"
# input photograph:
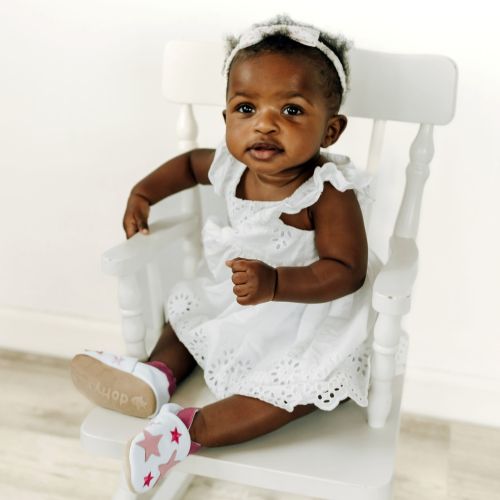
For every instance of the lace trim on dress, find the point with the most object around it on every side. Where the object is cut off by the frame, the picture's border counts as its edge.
(289, 384)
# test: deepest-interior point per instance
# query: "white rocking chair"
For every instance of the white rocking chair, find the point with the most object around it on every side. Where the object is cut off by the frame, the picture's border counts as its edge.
(343, 454)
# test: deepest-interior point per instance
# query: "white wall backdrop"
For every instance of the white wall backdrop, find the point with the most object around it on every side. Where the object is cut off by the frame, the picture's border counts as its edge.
(82, 118)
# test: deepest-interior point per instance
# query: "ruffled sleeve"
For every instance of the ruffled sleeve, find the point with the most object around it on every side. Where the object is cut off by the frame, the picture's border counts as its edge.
(338, 171)
(223, 169)
(343, 175)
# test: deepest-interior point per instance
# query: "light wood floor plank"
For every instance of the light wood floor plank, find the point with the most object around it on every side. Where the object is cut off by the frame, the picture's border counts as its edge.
(41, 457)
(474, 471)
(422, 453)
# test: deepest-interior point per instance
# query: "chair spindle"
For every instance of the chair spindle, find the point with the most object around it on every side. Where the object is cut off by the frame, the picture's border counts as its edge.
(417, 172)
(385, 344)
(187, 132)
(133, 325)
(373, 160)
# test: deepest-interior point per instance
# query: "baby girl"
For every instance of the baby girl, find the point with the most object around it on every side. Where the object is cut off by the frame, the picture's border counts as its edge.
(279, 314)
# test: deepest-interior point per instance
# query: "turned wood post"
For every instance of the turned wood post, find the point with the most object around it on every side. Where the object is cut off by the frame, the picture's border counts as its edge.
(133, 325)
(373, 161)
(187, 132)
(388, 331)
(417, 172)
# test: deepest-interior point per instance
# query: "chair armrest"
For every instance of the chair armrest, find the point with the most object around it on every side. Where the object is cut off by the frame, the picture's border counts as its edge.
(132, 254)
(394, 282)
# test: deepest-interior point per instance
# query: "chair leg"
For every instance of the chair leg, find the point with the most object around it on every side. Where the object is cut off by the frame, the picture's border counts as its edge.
(386, 337)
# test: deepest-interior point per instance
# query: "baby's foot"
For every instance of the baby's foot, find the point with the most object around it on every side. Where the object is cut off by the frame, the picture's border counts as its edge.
(122, 383)
(162, 444)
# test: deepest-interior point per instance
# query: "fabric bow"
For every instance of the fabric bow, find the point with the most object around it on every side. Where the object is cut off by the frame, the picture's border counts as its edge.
(300, 34)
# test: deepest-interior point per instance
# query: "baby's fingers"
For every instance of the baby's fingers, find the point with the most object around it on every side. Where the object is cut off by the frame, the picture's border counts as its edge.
(135, 224)
(136, 215)
(238, 264)
(240, 290)
(130, 226)
(239, 277)
(142, 224)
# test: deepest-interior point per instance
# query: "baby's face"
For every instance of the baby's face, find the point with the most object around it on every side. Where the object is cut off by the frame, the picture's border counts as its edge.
(277, 115)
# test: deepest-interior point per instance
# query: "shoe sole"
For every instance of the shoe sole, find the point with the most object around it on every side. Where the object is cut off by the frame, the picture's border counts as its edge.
(129, 457)
(128, 472)
(112, 388)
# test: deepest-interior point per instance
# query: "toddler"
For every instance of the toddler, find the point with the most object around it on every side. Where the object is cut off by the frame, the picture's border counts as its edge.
(279, 314)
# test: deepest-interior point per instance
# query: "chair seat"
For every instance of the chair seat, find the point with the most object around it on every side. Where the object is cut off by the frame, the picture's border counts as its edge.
(325, 454)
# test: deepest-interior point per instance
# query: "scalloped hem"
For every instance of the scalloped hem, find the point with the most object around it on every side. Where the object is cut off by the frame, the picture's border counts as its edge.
(328, 405)
(325, 395)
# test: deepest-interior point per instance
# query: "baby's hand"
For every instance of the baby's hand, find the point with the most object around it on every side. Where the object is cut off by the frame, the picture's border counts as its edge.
(254, 281)
(136, 215)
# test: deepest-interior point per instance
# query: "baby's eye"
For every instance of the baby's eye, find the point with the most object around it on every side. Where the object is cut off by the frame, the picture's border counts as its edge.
(292, 110)
(244, 108)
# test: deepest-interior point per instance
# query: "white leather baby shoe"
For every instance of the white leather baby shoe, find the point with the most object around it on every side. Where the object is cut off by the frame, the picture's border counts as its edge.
(161, 445)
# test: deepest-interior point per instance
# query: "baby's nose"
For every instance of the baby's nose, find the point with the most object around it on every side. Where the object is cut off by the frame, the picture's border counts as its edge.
(266, 122)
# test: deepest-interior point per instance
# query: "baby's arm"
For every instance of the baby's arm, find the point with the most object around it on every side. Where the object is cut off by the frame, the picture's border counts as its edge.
(343, 253)
(179, 173)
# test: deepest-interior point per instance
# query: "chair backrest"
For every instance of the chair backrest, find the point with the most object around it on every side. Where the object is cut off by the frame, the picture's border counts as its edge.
(407, 88)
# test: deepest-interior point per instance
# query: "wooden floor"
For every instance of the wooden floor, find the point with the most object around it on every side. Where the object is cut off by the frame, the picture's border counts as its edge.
(40, 455)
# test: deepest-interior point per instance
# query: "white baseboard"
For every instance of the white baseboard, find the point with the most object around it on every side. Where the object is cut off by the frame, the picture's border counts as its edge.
(429, 392)
(55, 335)
(452, 396)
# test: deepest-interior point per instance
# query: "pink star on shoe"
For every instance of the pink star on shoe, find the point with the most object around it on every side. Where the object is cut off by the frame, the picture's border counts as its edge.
(164, 468)
(175, 435)
(150, 444)
(148, 479)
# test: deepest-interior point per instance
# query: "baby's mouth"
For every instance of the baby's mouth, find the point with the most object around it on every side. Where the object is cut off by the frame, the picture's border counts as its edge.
(264, 150)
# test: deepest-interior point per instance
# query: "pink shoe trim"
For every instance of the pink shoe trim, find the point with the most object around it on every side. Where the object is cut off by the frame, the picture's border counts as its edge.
(187, 417)
(172, 384)
(194, 447)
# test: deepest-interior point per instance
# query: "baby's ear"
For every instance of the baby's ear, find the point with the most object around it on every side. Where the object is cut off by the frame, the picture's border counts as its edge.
(224, 115)
(334, 128)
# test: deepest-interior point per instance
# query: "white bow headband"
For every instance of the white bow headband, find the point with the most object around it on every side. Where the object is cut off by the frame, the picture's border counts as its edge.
(301, 34)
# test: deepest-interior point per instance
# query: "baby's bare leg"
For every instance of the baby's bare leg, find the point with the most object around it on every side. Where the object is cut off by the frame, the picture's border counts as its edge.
(240, 418)
(171, 351)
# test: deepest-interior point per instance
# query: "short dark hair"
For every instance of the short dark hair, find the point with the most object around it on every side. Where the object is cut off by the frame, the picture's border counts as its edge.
(281, 43)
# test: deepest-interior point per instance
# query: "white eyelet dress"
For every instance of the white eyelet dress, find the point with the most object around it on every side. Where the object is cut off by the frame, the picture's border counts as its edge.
(285, 353)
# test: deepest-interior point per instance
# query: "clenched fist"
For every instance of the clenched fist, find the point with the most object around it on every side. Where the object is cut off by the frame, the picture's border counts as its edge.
(254, 281)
